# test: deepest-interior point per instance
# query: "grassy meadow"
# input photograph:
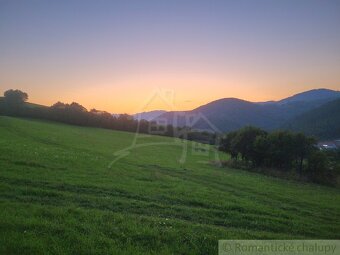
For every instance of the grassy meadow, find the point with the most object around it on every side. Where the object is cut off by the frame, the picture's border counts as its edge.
(75, 190)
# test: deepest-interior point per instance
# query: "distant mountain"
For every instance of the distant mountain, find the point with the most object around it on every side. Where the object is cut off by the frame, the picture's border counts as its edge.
(226, 115)
(312, 95)
(148, 115)
(231, 113)
(322, 122)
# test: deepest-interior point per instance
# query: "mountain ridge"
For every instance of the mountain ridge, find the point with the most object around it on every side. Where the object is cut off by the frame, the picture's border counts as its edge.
(227, 114)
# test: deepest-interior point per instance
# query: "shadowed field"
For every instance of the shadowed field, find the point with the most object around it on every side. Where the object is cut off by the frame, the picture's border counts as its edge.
(58, 195)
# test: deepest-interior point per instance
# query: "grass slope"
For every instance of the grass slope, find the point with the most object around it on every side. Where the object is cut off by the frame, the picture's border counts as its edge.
(58, 196)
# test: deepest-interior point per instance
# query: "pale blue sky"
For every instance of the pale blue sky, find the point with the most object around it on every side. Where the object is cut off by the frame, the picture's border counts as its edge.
(101, 52)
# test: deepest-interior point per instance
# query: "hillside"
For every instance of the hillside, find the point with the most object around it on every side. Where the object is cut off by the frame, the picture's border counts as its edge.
(58, 195)
(225, 115)
(229, 114)
(322, 122)
(27, 104)
(148, 115)
(312, 95)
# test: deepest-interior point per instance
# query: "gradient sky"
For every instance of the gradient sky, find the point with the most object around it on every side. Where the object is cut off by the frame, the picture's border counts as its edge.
(113, 55)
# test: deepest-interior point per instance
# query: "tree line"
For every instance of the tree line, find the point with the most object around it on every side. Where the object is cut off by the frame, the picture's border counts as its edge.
(13, 104)
(284, 151)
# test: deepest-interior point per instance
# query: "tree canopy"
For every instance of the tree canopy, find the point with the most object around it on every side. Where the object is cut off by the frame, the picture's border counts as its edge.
(15, 96)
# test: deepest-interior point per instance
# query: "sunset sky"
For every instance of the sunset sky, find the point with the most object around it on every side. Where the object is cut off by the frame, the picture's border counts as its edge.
(114, 55)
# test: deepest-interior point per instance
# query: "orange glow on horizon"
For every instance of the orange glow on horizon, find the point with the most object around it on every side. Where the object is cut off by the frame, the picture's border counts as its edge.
(127, 92)
(112, 56)
(133, 96)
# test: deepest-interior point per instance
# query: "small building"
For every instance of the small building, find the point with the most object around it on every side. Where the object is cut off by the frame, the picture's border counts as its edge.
(329, 145)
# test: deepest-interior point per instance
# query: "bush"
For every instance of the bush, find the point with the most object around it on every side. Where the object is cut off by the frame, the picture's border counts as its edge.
(318, 168)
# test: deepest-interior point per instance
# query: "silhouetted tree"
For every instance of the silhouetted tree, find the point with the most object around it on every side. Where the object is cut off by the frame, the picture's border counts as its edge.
(227, 144)
(243, 142)
(13, 102)
(303, 146)
(281, 149)
(15, 97)
(77, 107)
(261, 151)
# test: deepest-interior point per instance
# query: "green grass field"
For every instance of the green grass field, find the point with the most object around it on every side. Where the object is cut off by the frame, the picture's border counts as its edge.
(58, 196)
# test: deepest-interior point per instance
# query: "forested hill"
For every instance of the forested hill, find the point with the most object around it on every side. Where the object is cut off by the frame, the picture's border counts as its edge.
(322, 122)
(228, 114)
